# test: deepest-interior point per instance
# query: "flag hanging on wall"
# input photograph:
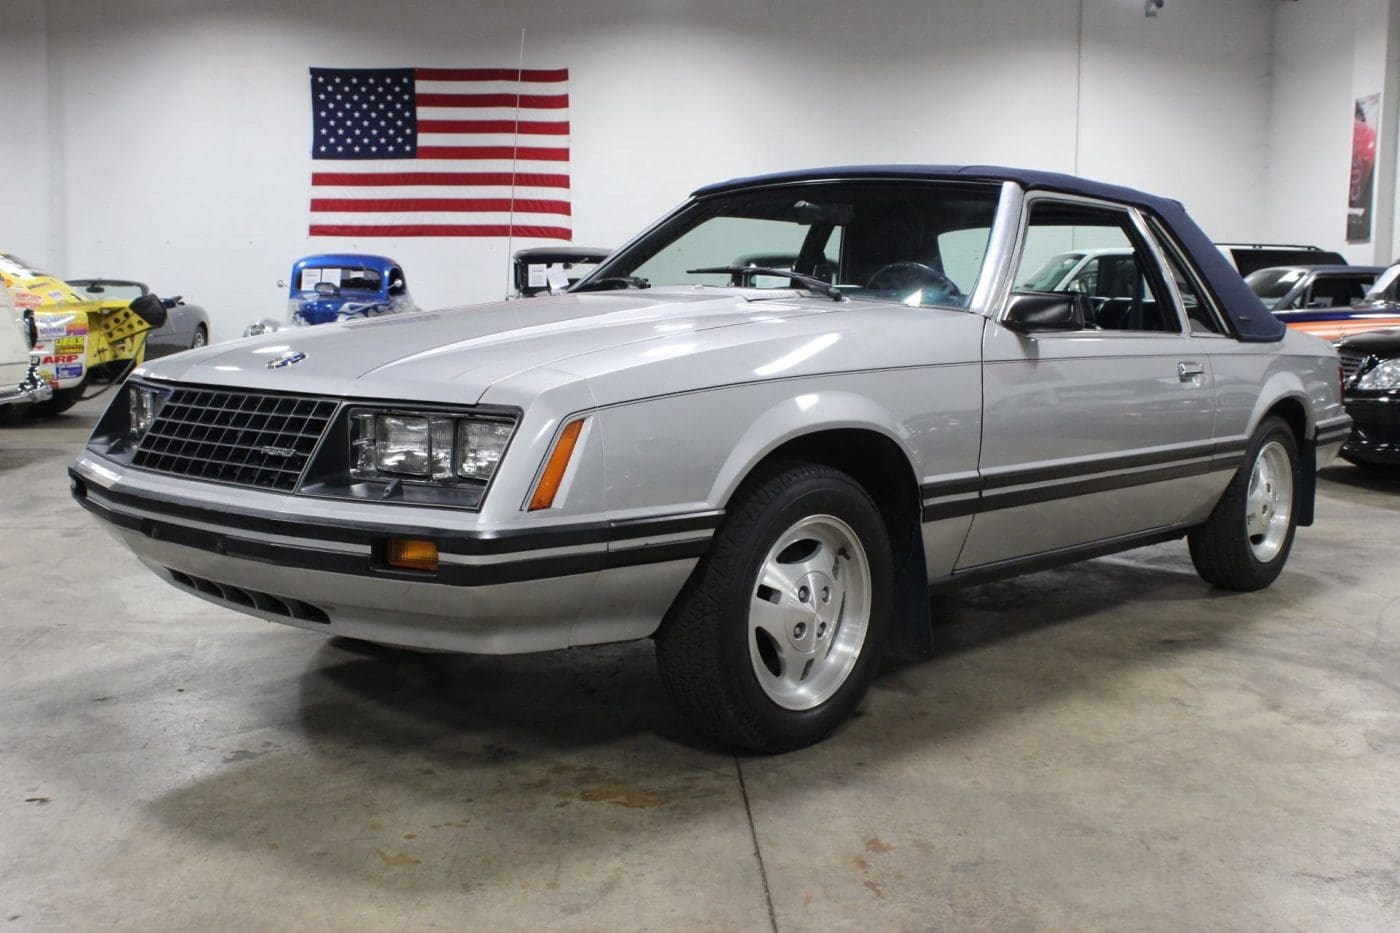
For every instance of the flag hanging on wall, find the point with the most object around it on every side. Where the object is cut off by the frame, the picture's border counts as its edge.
(399, 152)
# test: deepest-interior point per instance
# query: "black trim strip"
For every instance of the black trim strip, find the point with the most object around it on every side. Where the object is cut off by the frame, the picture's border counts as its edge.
(1104, 465)
(1333, 435)
(366, 565)
(449, 541)
(1178, 464)
(985, 573)
(1010, 500)
(951, 487)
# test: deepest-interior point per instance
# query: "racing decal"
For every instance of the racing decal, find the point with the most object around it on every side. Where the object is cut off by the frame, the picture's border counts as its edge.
(70, 344)
(25, 299)
(69, 371)
(53, 325)
(61, 359)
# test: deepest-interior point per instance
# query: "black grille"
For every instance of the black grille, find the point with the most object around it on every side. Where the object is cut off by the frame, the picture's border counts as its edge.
(248, 438)
(281, 605)
(1351, 362)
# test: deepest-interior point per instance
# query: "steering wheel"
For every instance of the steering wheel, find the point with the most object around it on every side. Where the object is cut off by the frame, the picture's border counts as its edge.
(908, 275)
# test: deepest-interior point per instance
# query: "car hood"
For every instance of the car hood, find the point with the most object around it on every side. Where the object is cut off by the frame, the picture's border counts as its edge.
(456, 354)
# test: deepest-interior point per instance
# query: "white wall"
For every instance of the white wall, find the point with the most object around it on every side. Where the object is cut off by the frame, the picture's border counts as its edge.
(24, 141)
(181, 129)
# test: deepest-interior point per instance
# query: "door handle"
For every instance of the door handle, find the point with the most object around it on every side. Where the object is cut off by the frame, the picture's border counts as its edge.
(1188, 371)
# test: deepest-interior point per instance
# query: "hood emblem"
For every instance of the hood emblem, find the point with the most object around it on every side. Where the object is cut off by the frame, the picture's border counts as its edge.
(290, 358)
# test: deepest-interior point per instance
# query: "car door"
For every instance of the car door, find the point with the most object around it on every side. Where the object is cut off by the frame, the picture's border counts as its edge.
(1095, 434)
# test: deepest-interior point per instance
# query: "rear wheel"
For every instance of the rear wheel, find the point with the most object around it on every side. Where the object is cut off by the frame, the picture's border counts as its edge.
(779, 632)
(1245, 542)
(201, 337)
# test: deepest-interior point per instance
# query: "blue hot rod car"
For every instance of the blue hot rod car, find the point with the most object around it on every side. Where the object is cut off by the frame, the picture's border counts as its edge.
(330, 287)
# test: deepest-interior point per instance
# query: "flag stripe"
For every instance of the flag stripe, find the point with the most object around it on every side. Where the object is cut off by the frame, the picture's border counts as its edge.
(524, 101)
(524, 179)
(458, 205)
(407, 230)
(494, 152)
(525, 127)
(491, 74)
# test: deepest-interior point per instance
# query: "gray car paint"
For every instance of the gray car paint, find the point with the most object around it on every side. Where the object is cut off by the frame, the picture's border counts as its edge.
(688, 388)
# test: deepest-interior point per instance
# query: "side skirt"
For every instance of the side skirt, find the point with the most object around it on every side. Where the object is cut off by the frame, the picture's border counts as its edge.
(1001, 570)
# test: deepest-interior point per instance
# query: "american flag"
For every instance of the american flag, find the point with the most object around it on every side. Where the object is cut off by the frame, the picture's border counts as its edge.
(400, 152)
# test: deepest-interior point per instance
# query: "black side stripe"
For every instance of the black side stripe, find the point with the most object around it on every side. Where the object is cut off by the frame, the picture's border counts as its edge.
(367, 565)
(1333, 435)
(449, 541)
(1175, 464)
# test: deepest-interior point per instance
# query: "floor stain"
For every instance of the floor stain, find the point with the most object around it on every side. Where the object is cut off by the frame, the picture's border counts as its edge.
(39, 800)
(396, 858)
(877, 845)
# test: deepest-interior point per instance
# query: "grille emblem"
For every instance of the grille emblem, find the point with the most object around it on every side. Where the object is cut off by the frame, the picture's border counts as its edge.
(290, 358)
(279, 451)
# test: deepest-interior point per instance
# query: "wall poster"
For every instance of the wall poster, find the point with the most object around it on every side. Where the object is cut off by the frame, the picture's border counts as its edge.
(1363, 167)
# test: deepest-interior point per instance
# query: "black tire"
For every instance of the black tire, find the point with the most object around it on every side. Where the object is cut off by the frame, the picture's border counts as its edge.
(705, 649)
(201, 337)
(1221, 548)
(63, 399)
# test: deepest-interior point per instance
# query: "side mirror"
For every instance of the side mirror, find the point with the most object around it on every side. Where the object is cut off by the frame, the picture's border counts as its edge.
(1036, 312)
(94, 289)
(150, 309)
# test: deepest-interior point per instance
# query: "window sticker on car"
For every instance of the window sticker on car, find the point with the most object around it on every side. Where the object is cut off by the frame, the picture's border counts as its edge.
(309, 278)
(536, 277)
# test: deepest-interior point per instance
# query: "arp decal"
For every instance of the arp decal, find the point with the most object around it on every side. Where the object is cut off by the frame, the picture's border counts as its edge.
(60, 359)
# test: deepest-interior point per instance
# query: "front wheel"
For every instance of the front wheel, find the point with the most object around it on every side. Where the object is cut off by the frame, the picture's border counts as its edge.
(201, 337)
(1245, 542)
(780, 630)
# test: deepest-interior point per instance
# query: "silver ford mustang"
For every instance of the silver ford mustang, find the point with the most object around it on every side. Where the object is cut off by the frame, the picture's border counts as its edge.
(759, 433)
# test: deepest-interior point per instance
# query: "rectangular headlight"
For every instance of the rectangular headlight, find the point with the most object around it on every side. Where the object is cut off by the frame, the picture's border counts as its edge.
(143, 404)
(424, 446)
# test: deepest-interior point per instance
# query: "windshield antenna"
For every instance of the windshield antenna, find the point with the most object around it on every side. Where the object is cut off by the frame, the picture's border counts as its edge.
(514, 164)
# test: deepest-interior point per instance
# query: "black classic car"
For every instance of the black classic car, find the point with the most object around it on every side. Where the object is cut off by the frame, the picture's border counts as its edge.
(1371, 373)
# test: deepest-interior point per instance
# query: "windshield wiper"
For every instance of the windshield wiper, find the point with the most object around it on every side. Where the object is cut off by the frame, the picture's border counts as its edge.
(611, 283)
(813, 283)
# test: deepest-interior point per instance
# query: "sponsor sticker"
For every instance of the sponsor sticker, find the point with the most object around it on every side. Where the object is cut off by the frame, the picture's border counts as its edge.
(69, 371)
(51, 325)
(69, 344)
(25, 299)
(59, 359)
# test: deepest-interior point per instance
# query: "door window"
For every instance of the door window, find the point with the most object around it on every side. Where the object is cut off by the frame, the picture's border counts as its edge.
(1121, 278)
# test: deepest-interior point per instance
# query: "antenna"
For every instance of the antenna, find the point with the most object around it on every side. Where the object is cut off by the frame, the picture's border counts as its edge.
(514, 163)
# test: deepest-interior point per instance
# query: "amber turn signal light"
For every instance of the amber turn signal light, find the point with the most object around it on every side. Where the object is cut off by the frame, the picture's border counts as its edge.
(553, 475)
(411, 554)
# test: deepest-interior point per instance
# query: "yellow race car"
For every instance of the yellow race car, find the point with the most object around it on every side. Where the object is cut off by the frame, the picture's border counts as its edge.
(77, 337)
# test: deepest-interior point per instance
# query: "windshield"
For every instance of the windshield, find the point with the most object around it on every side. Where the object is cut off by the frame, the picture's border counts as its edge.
(915, 243)
(1387, 287)
(343, 278)
(1272, 284)
(109, 291)
(1047, 277)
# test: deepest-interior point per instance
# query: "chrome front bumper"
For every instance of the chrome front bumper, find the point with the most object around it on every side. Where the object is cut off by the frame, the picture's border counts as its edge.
(317, 564)
(32, 389)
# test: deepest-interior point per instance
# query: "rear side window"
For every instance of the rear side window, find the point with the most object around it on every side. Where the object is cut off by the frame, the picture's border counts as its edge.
(1201, 312)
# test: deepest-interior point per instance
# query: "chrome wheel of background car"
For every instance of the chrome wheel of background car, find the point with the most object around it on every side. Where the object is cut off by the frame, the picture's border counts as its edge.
(200, 338)
(1269, 504)
(809, 612)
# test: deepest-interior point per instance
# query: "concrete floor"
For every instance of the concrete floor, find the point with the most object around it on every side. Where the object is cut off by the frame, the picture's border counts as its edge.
(1112, 746)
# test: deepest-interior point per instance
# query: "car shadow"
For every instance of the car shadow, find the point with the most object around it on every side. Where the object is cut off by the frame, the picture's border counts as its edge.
(1356, 477)
(570, 747)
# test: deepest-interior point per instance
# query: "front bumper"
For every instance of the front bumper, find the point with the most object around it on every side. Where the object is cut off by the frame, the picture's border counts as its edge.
(1375, 431)
(318, 564)
(32, 389)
